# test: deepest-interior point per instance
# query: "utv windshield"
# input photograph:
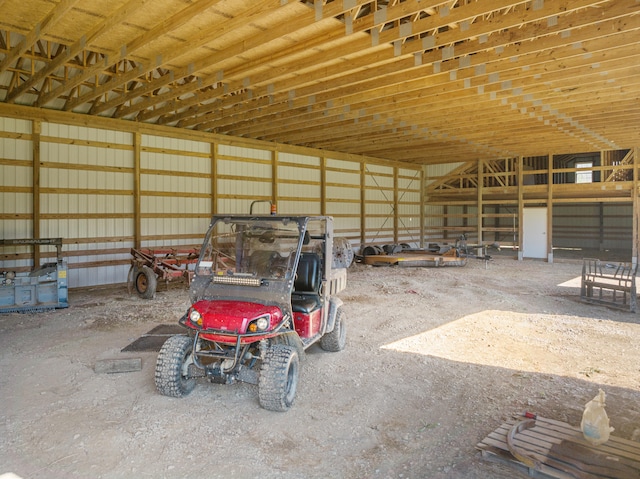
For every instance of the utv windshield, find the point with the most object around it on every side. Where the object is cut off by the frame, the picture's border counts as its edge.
(249, 258)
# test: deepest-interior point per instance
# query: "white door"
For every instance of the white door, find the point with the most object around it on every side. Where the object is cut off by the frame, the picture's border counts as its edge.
(534, 241)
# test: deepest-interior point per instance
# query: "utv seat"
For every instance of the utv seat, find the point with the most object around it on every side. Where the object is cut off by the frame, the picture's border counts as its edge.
(306, 287)
(260, 261)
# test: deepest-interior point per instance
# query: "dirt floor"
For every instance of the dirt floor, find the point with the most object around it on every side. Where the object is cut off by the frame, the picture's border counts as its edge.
(436, 359)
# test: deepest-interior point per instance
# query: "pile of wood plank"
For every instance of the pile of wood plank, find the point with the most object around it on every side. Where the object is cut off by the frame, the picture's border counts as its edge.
(548, 448)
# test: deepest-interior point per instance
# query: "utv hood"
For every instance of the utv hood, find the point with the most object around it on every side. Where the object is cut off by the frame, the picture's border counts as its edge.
(235, 316)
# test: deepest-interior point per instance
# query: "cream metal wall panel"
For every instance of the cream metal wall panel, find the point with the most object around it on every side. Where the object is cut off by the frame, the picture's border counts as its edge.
(299, 159)
(245, 169)
(343, 197)
(340, 194)
(114, 137)
(339, 208)
(15, 125)
(151, 184)
(87, 190)
(375, 169)
(302, 206)
(174, 207)
(154, 160)
(86, 181)
(175, 144)
(175, 184)
(292, 173)
(97, 275)
(245, 188)
(302, 192)
(379, 182)
(15, 149)
(343, 178)
(343, 164)
(244, 152)
(16, 199)
(379, 204)
(240, 206)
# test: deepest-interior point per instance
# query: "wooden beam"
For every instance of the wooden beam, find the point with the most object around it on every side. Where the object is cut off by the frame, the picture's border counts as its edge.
(167, 25)
(635, 200)
(274, 179)
(423, 205)
(42, 28)
(363, 205)
(550, 208)
(323, 185)
(396, 205)
(214, 178)
(479, 200)
(126, 11)
(36, 129)
(520, 208)
(137, 213)
(256, 10)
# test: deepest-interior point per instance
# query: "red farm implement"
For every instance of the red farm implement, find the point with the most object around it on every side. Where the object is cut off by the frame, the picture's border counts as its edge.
(150, 265)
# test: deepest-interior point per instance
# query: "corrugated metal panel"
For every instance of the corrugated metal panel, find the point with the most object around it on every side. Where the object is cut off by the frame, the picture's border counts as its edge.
(299, 159)
(342, 164)
(592, 226)
(299, 207)
(243, 152)
(16, 180)
(14, 125)
(298, 174)
(343, 177)
(87, 181)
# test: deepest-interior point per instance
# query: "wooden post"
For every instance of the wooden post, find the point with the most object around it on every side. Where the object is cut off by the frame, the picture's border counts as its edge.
(137, 215)
(550, 209)
(479, 201)
(274, 179)
(396, 221)
(423, 206)
(520, 209)
(636, 208)
(36, 128)
(214, 178)
(363, 208)
(323, 185)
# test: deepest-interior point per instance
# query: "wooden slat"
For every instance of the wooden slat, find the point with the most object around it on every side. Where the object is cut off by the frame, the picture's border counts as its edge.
(562, 451)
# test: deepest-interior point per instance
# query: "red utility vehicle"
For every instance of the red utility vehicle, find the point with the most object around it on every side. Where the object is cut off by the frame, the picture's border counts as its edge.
(264, 290)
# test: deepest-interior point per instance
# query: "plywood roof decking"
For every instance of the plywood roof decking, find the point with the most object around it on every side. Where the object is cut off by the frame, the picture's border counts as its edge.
(422, 81)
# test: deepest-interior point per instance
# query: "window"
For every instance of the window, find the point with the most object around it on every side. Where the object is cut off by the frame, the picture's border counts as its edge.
(584, 176)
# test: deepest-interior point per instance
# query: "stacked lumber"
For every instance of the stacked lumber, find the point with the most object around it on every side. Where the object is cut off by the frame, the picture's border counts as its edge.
(554, 449)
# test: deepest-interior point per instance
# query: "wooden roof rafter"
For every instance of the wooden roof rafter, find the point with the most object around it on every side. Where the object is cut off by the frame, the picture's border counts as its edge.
(402, 79)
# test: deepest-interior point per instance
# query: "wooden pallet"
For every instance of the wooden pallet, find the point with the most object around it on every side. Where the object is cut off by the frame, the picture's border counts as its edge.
(560, 452)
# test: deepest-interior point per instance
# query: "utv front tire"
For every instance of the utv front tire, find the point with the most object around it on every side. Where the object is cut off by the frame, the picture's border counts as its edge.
(279, 378)
(171, 367)
(337, 339)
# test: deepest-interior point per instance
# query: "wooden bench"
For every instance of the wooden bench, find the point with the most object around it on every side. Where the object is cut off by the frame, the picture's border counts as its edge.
(612, 284)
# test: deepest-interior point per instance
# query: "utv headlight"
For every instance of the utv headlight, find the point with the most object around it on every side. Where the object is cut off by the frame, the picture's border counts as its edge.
(259, 324)
(195, 317)
(262, 323)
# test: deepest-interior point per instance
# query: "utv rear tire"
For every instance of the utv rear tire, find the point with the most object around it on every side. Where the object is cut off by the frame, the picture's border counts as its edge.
(170, 367)
(337, 339)
(145, 282)
(279, 378)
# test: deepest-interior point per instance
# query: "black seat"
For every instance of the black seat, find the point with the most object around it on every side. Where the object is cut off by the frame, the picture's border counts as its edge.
(260, 261)
(306, 287)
